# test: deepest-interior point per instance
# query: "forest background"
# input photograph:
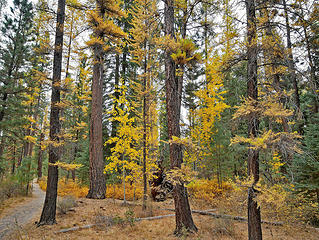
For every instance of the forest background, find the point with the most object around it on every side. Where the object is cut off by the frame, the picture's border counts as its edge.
(247, 85)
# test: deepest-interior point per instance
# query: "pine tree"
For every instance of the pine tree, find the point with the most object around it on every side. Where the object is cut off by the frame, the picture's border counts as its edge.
(14, 58)
(102, 27)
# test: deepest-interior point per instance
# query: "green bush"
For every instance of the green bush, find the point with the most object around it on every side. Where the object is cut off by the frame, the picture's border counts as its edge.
(66, 203)
(10, 188)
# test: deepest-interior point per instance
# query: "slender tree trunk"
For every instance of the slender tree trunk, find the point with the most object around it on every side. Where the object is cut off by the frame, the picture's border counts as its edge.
(144, 130)
(313, 83)
(254, 219)
(40, 156)
(291, 63)
(49, 208)
(116, 94)
(14, 158)
(173, 105)
(97, 178)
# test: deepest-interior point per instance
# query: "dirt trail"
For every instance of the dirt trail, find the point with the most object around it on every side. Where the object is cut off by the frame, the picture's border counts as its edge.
(22, 214)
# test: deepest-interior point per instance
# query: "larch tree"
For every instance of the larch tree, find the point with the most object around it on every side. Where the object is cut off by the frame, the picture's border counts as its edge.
(49, 207)
(173, 85)
(126, 153)
(103, 29)
(145, 32)
(254, 217)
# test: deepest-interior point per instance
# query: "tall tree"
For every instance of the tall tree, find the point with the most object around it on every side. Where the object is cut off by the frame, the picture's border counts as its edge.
(173, 87)
(254, 218)
(145, 32)
(102, 27)
(49, 207)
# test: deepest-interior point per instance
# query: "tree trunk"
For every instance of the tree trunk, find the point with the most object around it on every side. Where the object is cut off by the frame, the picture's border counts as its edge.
(40, 156)
(145, 103)
(116, 94)
(49, 208)
(313, 83)
(14, 158)
(173, 105)
(291, 64)
(254, 219)
(97, 178)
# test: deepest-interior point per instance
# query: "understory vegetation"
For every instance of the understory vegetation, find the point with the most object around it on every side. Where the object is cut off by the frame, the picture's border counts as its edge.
(184, 104)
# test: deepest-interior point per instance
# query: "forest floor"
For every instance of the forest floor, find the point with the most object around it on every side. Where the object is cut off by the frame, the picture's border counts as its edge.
(112, 220)
(19, 212)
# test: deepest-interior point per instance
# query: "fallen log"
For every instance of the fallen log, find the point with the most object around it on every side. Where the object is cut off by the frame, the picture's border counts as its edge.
(207, 213)
(75, 228)
(155, 217)
(225, 216)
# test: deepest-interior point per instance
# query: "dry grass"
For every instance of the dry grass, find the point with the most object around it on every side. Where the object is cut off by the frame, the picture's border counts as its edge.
(90, 211)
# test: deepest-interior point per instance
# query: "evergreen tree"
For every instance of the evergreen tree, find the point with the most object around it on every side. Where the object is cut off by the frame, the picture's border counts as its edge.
(102, 27)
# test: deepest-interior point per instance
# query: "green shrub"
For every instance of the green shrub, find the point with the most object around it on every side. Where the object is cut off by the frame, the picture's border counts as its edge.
(66, 203)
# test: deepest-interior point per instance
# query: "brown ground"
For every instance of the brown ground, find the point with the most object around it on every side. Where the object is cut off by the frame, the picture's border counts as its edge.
(88, 211)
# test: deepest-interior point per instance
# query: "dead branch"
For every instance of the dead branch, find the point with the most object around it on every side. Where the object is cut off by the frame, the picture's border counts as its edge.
(75, 228)
(154, 218)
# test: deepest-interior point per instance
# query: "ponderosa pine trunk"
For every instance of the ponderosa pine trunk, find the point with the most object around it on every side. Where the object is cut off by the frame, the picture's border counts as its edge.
(183, 213)
(49, 207)
(97, 178)
(254, 219)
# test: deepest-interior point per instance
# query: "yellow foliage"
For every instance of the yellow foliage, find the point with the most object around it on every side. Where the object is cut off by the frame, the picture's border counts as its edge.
(66, 166)
(30, 139)
(67, 188)
(271, 139)
(208, 190)
(116, 191)
(181, 175)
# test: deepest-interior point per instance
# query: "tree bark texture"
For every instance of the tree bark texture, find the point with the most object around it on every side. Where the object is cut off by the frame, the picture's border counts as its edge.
(145, 106)
(49, 208)
(40, 156)
(173, 106)
(97, 178)
(254, 219)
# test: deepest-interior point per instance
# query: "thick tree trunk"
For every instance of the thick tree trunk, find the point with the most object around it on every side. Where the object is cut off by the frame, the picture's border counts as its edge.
(173, 105)
(254, 219)
(97, 178)
(49, 208)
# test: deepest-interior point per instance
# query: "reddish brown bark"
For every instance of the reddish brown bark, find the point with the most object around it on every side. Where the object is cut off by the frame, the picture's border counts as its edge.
(97, 178)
